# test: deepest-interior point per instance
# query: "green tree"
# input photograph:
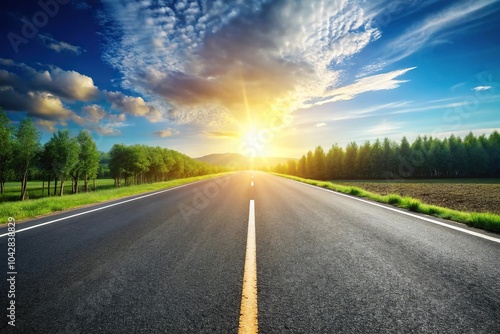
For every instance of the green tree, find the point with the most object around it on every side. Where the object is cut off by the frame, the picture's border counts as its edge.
(364, 160)
(45, 164)
(7, 147)
(65, 154)
(319, 164)
(349, 163)
(377, 159)
(117, 161)
(26, 147)
(334, 162)
(494, 154)
(291, 167)
(302, 166)
(458, 157)
(390, 161)
(309, 164)
(88, 160)
(477, 157)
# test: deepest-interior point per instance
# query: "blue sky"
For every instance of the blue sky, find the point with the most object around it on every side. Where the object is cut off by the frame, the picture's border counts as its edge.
(253, 77)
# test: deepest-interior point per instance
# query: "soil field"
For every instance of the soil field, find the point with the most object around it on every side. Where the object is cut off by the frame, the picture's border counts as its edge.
(472, 197)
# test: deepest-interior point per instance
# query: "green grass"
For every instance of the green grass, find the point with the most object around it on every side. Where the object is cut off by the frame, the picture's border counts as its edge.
(37, 207)
(482, 220)
(12, 190)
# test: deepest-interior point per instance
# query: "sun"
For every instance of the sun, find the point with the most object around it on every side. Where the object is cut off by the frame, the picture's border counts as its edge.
(254, 143)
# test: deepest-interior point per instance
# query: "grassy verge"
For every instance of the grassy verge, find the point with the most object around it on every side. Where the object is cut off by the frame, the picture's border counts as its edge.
(37, 207)
(12, 190)
(485, 221)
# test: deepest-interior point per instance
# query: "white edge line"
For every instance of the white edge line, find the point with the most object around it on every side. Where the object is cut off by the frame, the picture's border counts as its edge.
(103, 207)
(487, 237)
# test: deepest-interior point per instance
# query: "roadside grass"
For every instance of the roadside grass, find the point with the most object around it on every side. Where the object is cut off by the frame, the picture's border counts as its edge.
(483, 220)
(12, 190)
(37, 207)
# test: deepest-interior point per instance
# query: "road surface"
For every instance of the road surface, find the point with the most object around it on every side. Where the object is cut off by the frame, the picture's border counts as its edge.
(174, 262)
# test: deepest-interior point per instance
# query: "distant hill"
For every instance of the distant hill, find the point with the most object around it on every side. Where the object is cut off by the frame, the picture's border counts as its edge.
(235, 160)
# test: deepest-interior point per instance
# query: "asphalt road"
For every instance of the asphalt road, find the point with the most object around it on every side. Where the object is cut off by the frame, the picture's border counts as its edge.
(174, 263)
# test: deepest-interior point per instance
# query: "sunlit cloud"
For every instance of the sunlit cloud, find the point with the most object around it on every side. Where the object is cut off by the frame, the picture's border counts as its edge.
(385, 81)
(166, 133)
(36, 104)
(221, 134)
(96, 118)
(46, 125)
(235, 64)
(69, 85)
(135, 106)
(94, 113)
(319, 125)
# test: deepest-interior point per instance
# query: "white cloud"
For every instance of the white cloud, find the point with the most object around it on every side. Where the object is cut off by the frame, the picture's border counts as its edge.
(59, 46)
(437, 27)
(372, 83)
(210, 62)
(481, 88)
(385, 128)
(319, 125)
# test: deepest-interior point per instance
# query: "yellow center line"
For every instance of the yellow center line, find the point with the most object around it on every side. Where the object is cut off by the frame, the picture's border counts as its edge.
(248, 309)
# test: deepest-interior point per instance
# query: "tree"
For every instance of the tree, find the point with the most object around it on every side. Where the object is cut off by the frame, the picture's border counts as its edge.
(65, 154)
(117, 157)
(309, 164)
(291, 167)
(26, 147)
(349, 163)
(334, 162)
(458, 157)
(390, 162)
(302, 166)
(88, 160)
(364, 160)
(6, 151)
(476, 154)
(377, 160)
(405, 167)
(45, 164)
(494, 154)
(319, 164)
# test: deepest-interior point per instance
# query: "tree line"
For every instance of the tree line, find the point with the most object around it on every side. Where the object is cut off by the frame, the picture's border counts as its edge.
(138, 164)
(425, 157)
(64, 158)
